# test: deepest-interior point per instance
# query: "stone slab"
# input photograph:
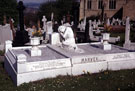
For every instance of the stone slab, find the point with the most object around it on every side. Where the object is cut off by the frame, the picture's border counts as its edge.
(50, 64)
(56, 61)
(96, 59)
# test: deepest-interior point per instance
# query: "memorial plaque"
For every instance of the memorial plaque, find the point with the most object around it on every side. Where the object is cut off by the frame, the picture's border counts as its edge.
(121, 56)
(46, 65)
(88, 59)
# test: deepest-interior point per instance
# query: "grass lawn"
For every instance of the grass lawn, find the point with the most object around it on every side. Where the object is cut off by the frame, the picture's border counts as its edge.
(105, 81)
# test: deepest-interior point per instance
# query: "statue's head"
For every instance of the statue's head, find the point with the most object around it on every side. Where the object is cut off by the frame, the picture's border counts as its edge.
(61, 29)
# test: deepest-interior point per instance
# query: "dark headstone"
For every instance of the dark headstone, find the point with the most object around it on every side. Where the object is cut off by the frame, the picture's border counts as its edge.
(21, 35)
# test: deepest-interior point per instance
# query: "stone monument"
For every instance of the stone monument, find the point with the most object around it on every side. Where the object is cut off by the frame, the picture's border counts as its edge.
(127, 34)
(21, 35)
(106, 45)
(67, 39)
(44, 26)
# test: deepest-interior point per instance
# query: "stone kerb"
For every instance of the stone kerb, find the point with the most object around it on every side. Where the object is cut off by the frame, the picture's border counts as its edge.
(70, 64)
(21, 58)
(119, 61)
(8, 45)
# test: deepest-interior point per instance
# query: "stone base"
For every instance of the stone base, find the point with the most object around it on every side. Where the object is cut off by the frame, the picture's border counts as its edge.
(107, 46)
(56, 61)
(35, 52)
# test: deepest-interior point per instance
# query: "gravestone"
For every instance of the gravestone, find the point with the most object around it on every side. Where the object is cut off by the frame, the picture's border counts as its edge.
(5, 33)
(12, 27)
(113, 21)
(21, 35)
(106, 45)
(44, 20)
(52, 16)
(99, 22)
(127, 34)
(49, 27)
(83, 25)
(54, 39)
(90, 29)
(119, 22)
(94, 24)
(128, 44)
(108, 22)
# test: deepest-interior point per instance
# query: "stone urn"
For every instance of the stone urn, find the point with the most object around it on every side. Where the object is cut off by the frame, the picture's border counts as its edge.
(35, 41)
(106, 37)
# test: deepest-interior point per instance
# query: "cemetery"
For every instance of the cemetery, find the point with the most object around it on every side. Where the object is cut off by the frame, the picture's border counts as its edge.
(55, 49)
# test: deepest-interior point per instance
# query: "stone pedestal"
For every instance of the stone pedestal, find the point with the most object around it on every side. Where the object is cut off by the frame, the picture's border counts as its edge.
(8, 45)
(54, 38)
(35, 51)
(106, 45)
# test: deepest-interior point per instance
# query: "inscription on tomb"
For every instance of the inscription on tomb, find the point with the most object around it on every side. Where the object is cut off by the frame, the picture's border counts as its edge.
(91, 59)
(122, 56)
(49, 65)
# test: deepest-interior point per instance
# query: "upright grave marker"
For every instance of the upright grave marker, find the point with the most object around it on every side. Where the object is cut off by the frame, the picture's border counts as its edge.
(21, 35)
(127, 34)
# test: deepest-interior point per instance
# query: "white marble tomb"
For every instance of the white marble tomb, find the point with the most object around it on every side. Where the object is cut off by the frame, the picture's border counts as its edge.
(56, 61)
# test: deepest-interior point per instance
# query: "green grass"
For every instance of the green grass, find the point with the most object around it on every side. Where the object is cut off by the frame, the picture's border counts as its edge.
(2, 52)
(105, 81)
(122, 37)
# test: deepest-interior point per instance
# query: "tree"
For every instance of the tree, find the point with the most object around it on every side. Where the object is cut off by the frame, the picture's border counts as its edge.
(8, 9)
(60, 8)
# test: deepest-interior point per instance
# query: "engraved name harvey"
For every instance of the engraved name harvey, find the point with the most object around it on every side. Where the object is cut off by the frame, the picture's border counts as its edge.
(93, 59)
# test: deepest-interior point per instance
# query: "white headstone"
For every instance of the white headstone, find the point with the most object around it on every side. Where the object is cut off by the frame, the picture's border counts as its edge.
(119, 22)
(49, 27)
(127, 32)
(55, 39)
(83, 24)
(113, 21)
(5, 33)
(94, 24)
(99, 22)
(8, 45)
(108, 22)
(90, 29)
(44, 23)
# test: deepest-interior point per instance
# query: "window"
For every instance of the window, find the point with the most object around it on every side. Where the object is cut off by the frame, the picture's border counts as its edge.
(112, 4)
(100, 4)
(89, 4)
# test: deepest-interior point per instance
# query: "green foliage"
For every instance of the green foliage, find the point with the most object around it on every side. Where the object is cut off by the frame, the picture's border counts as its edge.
(60, 8)
(9, 9)
(2, 52)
